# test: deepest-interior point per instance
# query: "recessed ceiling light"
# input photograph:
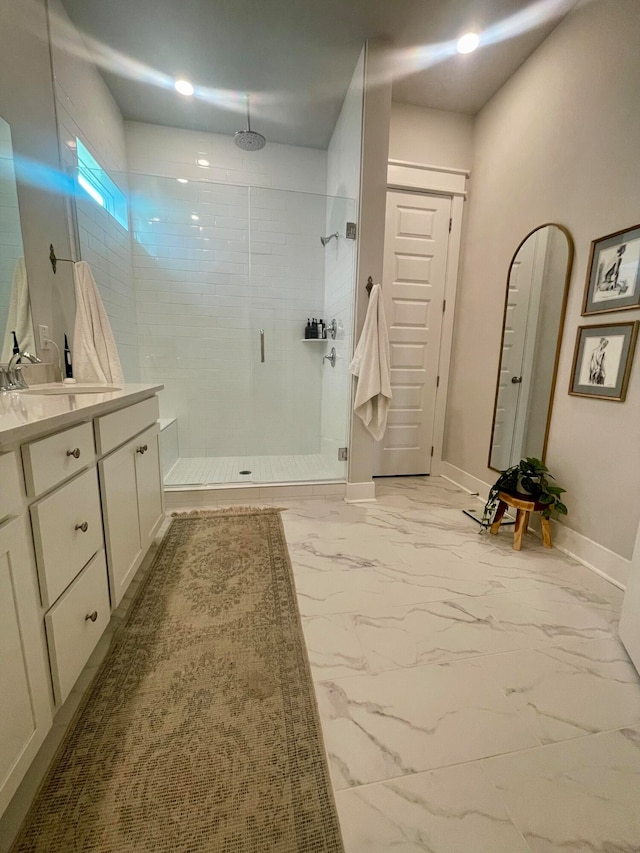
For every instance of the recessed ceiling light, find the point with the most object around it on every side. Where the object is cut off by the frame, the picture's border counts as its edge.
(202, 162)
(184, 87)
(195, 217)
(182, 180)
(468, 42)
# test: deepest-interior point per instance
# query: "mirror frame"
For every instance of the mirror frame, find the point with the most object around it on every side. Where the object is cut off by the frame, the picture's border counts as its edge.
(563, 314)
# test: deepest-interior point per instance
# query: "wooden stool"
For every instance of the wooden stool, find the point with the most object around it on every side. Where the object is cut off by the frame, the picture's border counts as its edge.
(523, 509)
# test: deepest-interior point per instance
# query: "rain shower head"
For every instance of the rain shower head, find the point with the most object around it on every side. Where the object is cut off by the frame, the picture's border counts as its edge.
(248, 139)
(325, 240)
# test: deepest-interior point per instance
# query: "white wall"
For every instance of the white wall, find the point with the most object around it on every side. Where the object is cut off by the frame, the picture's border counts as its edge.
(27, 103)
(430, 137)
(10, 238)
(559, 142)
(86, 110)
(343, 190)
(205, 287)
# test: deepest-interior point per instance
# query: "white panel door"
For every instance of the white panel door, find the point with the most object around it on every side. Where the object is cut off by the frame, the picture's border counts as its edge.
(510, 389)
(25, 710)
(415, 264)
(149, 483)
(122, 526)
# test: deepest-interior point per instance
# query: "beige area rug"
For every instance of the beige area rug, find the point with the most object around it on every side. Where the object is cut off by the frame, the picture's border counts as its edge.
(200, 732)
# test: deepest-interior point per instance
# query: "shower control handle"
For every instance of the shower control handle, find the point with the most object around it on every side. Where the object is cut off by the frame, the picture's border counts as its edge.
(332, 357)
(262, 345)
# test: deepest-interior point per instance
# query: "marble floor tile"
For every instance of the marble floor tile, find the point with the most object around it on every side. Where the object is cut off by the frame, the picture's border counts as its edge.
(333, 646)
(430, 633)
(454, 810)
(580, 687)
(579, 796)
(371, 589)
(544, 616)
(407, 720)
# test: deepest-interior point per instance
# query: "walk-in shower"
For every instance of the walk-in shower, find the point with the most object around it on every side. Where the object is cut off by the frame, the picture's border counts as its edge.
(225, 278)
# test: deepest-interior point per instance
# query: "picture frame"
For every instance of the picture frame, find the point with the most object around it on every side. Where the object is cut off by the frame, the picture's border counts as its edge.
(613, 274)
(602, 361)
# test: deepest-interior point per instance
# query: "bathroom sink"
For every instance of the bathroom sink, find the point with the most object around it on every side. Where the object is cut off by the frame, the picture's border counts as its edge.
(79, 388)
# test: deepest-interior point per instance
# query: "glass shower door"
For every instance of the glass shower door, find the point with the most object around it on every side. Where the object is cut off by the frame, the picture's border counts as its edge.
(296, 427)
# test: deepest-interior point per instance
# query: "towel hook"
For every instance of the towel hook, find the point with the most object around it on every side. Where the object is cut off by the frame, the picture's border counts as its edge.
(369, 286)
(55, 261)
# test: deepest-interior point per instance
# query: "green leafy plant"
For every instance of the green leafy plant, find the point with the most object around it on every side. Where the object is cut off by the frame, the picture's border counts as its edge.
(528, 480)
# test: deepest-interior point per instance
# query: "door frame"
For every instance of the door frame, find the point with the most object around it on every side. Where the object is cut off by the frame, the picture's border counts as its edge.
(404, 176)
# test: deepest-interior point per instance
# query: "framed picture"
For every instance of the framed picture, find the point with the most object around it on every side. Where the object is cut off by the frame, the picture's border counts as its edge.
(602, 361)
(613, 280)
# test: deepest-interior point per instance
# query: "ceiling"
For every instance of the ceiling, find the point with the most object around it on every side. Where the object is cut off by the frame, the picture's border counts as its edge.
(298, 55)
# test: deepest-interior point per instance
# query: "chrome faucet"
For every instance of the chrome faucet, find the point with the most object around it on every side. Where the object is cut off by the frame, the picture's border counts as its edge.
(15, 381)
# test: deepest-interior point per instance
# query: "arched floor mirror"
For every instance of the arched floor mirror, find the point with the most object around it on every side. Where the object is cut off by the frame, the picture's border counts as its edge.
(534, 311)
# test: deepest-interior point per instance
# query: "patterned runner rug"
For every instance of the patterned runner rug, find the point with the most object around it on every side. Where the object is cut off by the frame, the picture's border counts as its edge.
(200, 732)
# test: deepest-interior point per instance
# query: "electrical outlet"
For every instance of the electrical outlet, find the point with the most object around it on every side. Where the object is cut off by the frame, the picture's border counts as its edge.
(43, 332)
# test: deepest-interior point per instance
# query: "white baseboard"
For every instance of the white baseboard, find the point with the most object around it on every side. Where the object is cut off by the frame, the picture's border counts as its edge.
(360, 492)
(465, 481)
(610, 566)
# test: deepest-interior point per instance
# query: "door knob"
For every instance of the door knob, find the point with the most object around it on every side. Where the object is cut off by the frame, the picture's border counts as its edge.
(516, 380)
(142, 449)
(91, 616)
(84, 526)
(75, 452)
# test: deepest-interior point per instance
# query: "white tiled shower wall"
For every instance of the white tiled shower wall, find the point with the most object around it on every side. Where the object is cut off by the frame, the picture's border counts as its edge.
(343, 187)
(206, 286)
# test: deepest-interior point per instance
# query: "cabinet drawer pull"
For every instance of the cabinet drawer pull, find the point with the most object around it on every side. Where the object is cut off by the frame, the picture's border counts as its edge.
(84, 526)
(91, 616)
(142, 449)
(75, 452)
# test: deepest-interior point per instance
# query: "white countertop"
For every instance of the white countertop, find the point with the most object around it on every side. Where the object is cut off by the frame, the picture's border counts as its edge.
(27, 416)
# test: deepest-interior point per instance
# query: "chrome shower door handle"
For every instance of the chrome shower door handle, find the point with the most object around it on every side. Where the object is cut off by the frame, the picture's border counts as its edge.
(262, 345)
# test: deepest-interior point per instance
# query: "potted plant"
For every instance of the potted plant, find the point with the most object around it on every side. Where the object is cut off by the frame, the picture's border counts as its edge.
(529, 480)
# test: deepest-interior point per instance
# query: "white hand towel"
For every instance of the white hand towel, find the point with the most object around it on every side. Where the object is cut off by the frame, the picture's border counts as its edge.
(19, 318)
(371, 365)
(94, 355)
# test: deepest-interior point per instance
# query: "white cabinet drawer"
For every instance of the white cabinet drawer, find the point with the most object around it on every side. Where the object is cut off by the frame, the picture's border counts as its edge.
(53, 459)
(114, 429)
(11, 492)
(63, 545)
(75, 623)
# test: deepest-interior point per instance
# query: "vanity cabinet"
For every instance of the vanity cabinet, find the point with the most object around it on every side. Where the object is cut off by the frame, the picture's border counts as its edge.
(131, 488)
(79, 507)
(25, 706)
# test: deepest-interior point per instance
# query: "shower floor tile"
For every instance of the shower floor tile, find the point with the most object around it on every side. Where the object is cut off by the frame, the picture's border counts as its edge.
(203, 470)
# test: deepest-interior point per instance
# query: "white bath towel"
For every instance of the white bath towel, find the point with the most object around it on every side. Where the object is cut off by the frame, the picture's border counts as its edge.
(19, 318)
(94, 354)
(371, 365)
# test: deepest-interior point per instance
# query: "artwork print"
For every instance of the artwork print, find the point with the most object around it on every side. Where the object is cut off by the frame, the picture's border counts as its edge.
(602, 360)
(613, 280)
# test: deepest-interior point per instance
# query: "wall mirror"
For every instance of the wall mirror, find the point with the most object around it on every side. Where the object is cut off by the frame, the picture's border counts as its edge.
(535, 304)
(15, 308)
